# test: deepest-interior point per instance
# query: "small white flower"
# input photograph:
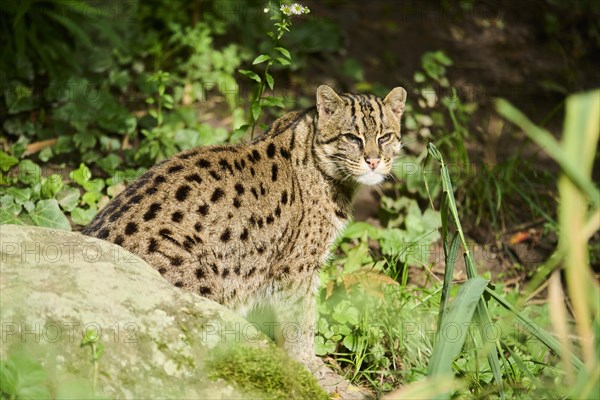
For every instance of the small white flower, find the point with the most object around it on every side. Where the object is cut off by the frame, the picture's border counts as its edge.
(265, 10)
(294, 9)
(286, 10)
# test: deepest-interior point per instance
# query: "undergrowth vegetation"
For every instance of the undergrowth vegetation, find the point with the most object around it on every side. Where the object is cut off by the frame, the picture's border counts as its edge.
(88, 104)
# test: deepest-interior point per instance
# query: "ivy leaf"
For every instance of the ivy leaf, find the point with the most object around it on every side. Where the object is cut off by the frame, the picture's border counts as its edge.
(250, 75)
(20, 195)
(284, 51)
(270, 80)
(9, 212)
(91, 198)
(82, 216)
(81, 175)
(261, 59)
(47, 213)
(68, 197)
(7, 161)
(51, 185)
(29, 172)
(94, 185)
(283, 61)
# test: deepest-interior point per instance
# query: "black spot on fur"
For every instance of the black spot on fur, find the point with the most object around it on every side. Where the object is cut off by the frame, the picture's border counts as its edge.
(193, 178)
(254, 192)
(237, 165)
(119, 239)
(244, 235)
(151, 190)
(217, 195)
(270, 219)
(162, 270)
(214, 268)
(274, 172)
(176, 261)
(152, 245)
(202, 163)
(286, 270)
(255, 155)
(251, 271)
(182, 192)
(131, 228)
(239, 188)
(278, 211)
(198, 227)
(252, 220)
(159, 179)
(175, 168)
(262, 189)
(252, 172)
(203, 209)
(226, 235)
(225, 273)
(237, 203)
(225, 165)
(103, 234)
(177, 216)
(179, 284)
(260, 222)
(188, 155)
(200, 274)
(271, 149)
(236, 270)
(215, 175)
(340, 214)
(115, 216)
(152, 210)
(284, 197)
(205, 291)
(285, 154)
(136, 199)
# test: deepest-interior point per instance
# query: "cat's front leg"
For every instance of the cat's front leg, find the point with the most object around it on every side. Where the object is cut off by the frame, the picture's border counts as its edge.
(295, 309)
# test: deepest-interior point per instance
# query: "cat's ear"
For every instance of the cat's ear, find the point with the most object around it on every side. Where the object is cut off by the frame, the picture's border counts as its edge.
(327, 101)
(396, 100)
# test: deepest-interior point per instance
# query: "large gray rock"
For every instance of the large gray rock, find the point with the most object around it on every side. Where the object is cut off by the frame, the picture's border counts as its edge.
(157, 340)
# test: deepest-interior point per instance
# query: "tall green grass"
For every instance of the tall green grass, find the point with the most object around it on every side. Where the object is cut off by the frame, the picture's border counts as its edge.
(579, 219)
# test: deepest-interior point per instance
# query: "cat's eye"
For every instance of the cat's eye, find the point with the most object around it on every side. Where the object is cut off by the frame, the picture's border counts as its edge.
(353, 139)
(384, 139)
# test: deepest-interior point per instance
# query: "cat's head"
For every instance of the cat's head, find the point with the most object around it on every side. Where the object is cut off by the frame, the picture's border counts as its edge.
(358, 135)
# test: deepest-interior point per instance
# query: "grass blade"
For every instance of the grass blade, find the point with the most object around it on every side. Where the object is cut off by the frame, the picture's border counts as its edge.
(459, 314)
(450, 259)
(545, 140)
(535, 330)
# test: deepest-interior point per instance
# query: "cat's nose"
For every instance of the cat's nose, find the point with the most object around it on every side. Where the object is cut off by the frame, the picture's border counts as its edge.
(372, 162)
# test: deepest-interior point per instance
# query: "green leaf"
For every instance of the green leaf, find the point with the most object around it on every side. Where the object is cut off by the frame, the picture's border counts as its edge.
(20, 195)
(7, 161)
(81, 175)
(48, 214)
(250, 75)
(82, 216)
(91, 198)
(68, 197)
(453, 331)
(9, 212)
(94, 185)
(256, 108)
(283, 61)
(270, 80)
(51, 185)
(29, 172)
(260, 59)
(284, 51)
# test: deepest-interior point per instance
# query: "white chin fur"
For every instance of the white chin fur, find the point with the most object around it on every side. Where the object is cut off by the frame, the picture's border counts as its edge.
(370, 178)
